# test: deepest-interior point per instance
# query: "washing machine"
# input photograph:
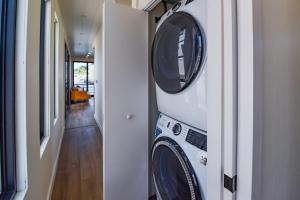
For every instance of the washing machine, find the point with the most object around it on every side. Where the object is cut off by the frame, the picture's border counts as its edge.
(179, 158)
(179, 63)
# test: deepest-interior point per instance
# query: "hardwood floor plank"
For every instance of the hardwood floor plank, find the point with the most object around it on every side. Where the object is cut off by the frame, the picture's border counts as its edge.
(90, 163)
(79, 171)
(81, 114)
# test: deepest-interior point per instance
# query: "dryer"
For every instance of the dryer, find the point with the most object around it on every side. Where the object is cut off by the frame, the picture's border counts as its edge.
(179, 158)
(179, 63)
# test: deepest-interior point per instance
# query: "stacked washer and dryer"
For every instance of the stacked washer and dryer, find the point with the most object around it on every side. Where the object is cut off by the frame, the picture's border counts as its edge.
(179, 153)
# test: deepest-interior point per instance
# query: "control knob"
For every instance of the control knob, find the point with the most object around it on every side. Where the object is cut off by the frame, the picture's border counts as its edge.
(176, 129)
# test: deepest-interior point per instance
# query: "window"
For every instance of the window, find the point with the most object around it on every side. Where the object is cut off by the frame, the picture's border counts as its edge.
(67, 70)
(7, 99)
(80, 75)
(44, 68)
(67, 79)
(55, 55)
(83, 76)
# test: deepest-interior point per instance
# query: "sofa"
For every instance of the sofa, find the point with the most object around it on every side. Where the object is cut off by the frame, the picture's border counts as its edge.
(79, 95)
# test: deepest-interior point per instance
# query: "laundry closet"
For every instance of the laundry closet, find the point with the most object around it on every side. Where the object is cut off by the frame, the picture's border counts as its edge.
(184, 111)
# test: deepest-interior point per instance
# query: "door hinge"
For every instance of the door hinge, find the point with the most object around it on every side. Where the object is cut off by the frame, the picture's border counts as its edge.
(230, 183)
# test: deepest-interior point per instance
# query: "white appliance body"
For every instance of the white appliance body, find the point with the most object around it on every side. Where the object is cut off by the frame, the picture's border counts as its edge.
(193, 143)
(190, 104)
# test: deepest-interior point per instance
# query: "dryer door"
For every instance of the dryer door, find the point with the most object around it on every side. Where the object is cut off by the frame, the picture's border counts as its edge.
(178, 52)
(173, 174)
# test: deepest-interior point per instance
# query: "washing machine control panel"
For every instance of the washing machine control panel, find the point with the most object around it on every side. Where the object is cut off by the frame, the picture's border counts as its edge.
(191, 135)
(197, 139)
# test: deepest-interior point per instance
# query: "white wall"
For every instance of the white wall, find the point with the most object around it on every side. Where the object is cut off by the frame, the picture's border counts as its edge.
(38, 168)
(269, 109)
(98, 61)
(281, 100)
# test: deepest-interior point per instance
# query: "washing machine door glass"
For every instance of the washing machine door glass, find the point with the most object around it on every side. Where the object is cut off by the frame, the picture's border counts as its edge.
(173, 174)
(178, 52)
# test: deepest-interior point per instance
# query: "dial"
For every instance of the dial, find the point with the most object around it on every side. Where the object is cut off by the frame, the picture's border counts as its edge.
(176, 129)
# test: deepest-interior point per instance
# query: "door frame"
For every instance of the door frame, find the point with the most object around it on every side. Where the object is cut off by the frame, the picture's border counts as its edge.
(234, 97)
(250, 102)
(222, 97)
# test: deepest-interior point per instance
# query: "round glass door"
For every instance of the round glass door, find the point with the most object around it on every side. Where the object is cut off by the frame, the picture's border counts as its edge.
(178, 52)
(173, 174)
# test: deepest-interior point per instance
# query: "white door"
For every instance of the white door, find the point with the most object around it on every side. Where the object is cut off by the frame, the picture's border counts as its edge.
(125, 124)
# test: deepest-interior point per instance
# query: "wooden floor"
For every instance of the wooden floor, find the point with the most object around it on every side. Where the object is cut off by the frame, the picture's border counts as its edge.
(79, 172)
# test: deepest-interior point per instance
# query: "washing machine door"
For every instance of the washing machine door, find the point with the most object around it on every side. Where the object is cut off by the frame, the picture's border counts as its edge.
(174, 176)
(178, 52)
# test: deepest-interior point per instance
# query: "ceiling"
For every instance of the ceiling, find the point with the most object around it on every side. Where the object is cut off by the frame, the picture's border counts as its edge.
(82, 19)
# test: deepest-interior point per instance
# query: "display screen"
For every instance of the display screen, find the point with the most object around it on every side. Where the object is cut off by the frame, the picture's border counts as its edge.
(197, 139)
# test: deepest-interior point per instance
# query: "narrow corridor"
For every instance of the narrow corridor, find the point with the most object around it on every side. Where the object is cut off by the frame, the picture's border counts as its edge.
(79, 171)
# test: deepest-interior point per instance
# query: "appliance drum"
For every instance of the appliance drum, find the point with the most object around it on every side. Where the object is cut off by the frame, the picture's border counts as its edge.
(178, 52)
(174, 176)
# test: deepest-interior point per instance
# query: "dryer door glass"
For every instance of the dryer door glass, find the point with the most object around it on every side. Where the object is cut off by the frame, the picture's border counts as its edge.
(178, 52)
(174, 176)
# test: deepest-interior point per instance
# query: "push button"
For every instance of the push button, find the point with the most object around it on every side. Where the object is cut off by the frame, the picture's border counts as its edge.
(158, 131)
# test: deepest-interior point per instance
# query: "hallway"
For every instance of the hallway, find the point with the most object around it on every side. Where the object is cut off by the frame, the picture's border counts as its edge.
(79, 171)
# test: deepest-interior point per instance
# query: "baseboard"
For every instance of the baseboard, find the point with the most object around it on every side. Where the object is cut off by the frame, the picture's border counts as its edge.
(98, 123)
(49, 194)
